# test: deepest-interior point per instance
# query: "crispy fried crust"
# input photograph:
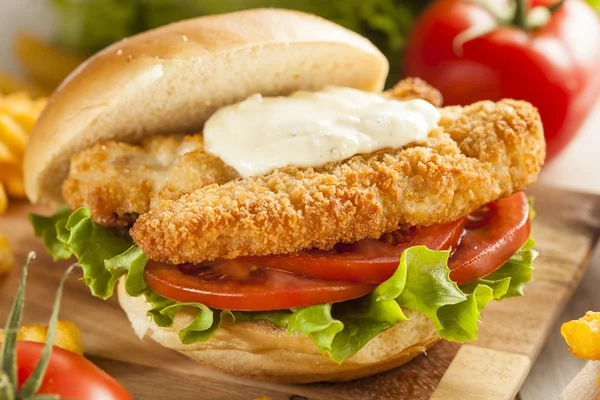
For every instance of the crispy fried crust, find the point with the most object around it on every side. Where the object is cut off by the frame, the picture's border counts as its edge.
(415, 88)
(119, 181)
(480, 153)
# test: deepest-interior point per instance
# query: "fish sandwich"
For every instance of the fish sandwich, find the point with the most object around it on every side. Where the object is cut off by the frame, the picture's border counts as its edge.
(260, 205)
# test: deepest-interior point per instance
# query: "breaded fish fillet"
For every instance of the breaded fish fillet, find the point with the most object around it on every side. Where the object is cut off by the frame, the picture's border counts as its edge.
(120, 181)
(478, 154)
(415, 88)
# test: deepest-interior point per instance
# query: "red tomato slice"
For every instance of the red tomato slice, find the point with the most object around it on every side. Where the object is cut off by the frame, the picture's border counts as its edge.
(366, 261)
(239, 285)
(69, 375)
(484, 249)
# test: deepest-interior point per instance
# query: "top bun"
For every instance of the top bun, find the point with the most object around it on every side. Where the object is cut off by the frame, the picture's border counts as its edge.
(172, 79)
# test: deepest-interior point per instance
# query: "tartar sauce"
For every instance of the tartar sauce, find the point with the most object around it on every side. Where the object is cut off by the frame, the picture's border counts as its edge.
(310, 129)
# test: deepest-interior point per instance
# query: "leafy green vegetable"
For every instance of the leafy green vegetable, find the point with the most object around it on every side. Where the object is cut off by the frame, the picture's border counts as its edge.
(90, 25)
(420, 284)
(531, 203)
(46, 229)
(103, 256)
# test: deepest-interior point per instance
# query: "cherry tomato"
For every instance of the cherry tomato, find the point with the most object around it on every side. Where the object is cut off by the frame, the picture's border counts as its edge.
(69, 375)
(366, 261)
(485, 248)
(239, 285)
(555, 67)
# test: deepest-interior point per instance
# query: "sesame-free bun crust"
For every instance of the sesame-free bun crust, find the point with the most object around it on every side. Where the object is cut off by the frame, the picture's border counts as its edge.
(263, 351)
(173, 78)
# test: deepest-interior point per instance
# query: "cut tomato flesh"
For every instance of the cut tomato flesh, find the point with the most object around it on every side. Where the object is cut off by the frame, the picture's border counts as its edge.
(483, 250)
(368, 260)
(237, 285)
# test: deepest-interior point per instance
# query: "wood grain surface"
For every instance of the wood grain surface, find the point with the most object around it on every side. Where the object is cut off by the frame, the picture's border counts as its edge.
(511, 334)
(556, 366)
(585, 385)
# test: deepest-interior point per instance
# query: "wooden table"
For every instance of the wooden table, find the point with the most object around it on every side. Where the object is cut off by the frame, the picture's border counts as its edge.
(579, 169)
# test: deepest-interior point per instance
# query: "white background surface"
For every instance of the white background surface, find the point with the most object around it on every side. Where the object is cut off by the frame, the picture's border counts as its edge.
(577, 168)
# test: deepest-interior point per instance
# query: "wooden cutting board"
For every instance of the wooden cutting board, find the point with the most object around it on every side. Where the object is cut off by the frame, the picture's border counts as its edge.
(586, 385)
(494, 367)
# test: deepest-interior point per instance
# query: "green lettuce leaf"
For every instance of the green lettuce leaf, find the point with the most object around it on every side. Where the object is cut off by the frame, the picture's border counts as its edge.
(103, 256)
(45, 228)
(420, 284)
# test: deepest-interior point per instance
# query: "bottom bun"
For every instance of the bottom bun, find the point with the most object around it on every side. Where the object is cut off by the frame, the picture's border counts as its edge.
(261, 350)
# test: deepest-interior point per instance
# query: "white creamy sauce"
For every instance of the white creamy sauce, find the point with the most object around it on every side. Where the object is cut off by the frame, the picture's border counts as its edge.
(310, 129)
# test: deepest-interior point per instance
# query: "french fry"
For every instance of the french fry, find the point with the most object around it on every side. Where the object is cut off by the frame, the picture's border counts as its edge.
(10, 84)
(7, 156)
(18, 114)
(26, 120)
(583, 336)
(44, 63)
(12, 135)
(6, 257)
(22, 108)
(3, 204)
(12, 178)
(67, 336)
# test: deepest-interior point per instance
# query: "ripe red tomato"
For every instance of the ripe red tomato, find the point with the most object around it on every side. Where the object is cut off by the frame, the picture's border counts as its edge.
(367, 261)
(500, 231)
(555, 67)
(238, 285)
(69, 375)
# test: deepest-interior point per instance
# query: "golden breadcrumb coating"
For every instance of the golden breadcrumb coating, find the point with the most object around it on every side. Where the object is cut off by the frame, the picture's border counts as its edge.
(119, 181)
(478, 154)
(415, 88)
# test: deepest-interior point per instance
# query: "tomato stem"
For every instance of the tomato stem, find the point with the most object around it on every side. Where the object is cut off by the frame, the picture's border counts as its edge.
(33, 383)
(521, 10)
(556, 6)
(7, 390)
(8, 357)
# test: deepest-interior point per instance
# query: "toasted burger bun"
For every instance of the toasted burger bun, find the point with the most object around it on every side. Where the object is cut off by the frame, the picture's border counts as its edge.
(172, 79)
(263, 351)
